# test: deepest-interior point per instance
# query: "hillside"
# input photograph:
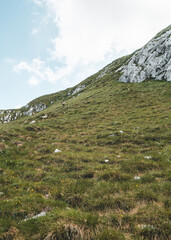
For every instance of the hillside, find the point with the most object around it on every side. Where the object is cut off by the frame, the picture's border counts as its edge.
(96, 168)
(153, 61)
(43, 102)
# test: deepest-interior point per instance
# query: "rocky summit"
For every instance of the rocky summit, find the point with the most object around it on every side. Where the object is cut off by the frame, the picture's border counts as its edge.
(151, 61)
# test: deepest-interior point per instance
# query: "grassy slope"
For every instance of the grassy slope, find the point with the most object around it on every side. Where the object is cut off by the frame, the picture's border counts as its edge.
(163, 31)
(84, 196)
(87, 83)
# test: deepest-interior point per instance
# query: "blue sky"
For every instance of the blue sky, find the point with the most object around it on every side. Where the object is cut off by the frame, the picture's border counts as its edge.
(18, 20)
(49, 45)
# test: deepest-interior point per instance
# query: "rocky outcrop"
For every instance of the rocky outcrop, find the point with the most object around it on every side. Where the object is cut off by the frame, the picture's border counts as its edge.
(29, 110)
(76, 90)
(34, 107)
(9, 115)
(151, 61)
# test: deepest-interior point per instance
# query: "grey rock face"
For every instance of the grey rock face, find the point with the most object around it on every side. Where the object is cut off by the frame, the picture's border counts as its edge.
(78, 89)
(34, 109)
(151, 61)
(11, 115)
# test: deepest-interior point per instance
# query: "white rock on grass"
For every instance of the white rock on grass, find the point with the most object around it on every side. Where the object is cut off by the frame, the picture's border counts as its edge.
(45, 116)
(47, 196)
(106, 160)
(57, 151)
(147, 157)
(42, 214)
(137, 178)
(121, 131)
(32, 122)
(147, 226)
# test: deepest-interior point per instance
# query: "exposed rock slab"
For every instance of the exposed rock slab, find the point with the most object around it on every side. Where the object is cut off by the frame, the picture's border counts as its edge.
(151, 61)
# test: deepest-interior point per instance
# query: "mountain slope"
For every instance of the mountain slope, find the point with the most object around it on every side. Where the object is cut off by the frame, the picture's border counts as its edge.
(96, 168)
(152, 61)
(44, 102)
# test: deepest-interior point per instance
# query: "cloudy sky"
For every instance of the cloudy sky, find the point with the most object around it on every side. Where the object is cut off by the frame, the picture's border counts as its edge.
(50, 45)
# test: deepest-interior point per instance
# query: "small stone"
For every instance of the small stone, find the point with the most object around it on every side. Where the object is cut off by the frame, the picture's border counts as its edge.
(121, 131)
(47, 196)
(106, 160)
(1, 193)
(147, 157)
(147, 226)
(137, 178)
(32, 122)
(42, 214)
(45, 116)
(57, 151)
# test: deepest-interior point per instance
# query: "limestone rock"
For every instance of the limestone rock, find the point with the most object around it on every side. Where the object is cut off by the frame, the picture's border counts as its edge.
(151, 61)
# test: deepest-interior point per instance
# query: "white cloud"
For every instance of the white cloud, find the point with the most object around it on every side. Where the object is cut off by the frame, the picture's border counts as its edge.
(38, 2)
(35, 69)
(92, 32)
(34, 31)
(9, 60)
(39, 71)
(36, 66)
(33, 81)
(89, 30)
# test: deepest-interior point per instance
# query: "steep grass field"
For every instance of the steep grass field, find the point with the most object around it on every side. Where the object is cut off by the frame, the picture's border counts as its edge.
(111, 178)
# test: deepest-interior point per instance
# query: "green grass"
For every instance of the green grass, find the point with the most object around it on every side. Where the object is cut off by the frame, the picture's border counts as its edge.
(84, 196)
(163, 31)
